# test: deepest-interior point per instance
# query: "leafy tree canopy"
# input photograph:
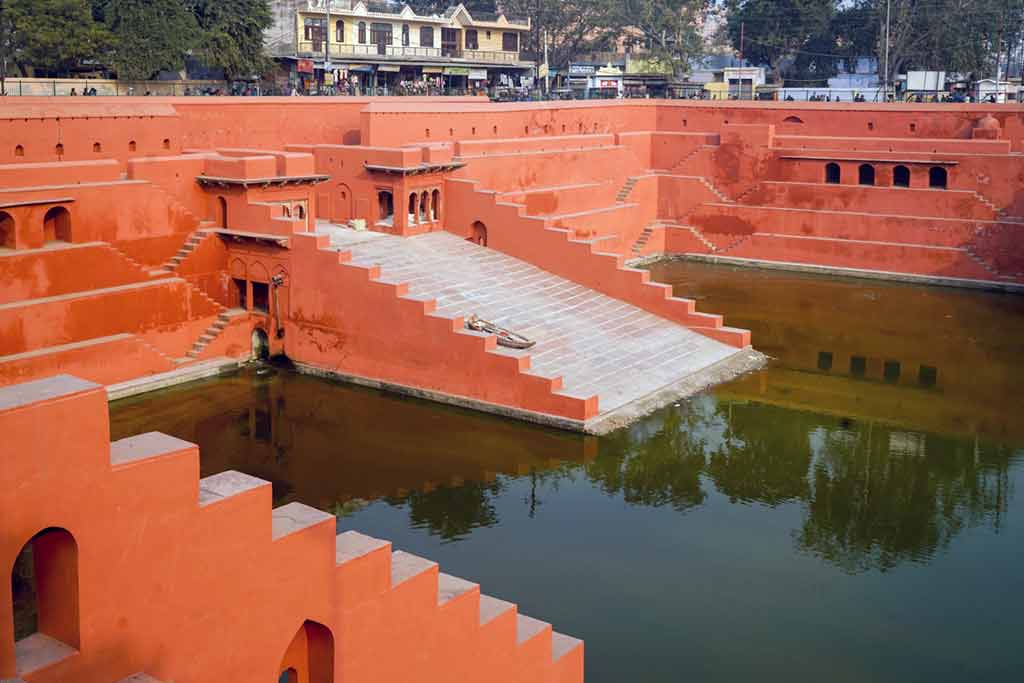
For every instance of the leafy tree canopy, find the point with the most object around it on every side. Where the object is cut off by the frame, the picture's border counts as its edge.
(150, 35)
(54, 36)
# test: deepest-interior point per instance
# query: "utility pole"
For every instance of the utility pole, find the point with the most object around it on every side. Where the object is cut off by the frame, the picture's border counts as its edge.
(547, 67)
(885, 97)
(327, 43)
(743, 26)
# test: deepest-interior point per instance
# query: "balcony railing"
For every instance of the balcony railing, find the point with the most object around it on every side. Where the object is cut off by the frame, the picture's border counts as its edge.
(491, 56)
(316, 49)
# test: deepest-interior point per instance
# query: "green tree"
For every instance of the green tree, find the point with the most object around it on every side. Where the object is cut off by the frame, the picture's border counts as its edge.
(667, 29)
(52, 36)
(571, 27)
(231, 34)
(149, 35)
(960, 36)
(785, 33)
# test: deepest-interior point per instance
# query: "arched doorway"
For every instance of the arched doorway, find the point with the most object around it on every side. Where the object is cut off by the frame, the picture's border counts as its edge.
(222, 208)
(57, 225)
(413, 208)
(425, 207)
(260, 344)
(866, 174)
(44, 583)
(435, 204)
(310, 655)
(938, 177)
(342, 204)
(901, 176)
(479, 234)
(832, 174)
(385, 207)
(8, 238)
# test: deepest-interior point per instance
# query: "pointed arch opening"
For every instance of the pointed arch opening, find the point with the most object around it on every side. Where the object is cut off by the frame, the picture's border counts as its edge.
(222, 211)
(866, 174)
(938, 178)
(413, 208)
(425, 216)
(435, 205)
(310, 655)
(833, 174)
(8, 238)
(44, 586)
(479, 234)
(57, 225)
(901, 176)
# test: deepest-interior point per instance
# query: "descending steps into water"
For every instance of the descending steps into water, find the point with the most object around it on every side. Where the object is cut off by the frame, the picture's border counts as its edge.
(598, 345)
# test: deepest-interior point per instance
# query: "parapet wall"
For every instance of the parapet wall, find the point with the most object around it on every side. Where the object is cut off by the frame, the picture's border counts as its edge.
(193, 580)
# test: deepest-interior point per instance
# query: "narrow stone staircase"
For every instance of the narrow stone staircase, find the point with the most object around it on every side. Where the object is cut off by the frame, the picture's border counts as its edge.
(211, 333)
(193, 241)
(598, 345)
(626, 190)
(641, 241)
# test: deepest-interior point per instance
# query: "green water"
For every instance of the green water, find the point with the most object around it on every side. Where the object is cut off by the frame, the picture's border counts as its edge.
(851, 513)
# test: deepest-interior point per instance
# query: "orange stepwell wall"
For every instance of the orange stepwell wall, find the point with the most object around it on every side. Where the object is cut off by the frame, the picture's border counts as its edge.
(342, 319)
(76, 317)
(532, 240)
(866, 199)
(845, 119)
(393, 122)
(47, 272)
(211, 584)
(93, 361)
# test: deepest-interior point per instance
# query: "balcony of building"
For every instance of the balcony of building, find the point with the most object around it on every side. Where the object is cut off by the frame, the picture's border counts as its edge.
(313, 49)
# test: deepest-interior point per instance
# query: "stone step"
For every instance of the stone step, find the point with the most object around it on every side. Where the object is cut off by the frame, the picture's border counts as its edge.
(226, 485)
(352, 545)
(491, 608)
(149, 446)
(528, 628)
(562, 645)
(295, 517)
(405, 566)
(451, 587)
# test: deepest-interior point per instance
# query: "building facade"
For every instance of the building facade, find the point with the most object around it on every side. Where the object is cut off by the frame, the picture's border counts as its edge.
(357, 47)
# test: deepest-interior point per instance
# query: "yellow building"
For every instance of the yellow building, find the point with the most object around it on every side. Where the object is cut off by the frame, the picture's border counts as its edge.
(387, 46)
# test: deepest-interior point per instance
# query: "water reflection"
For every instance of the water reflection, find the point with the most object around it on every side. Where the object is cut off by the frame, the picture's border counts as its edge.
(884, 436)
(873, 496)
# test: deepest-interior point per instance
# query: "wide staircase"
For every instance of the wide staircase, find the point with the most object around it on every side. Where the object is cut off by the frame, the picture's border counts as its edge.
(207, 567)
(598, 345)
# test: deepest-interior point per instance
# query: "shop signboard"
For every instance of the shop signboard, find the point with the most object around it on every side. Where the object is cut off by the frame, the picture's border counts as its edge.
(456, 71)
(304, 66)
(478, 74)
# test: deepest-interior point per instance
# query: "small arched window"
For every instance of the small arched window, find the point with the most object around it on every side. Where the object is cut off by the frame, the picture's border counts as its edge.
(405, 35)
(938, 177)
(97, 147)
(832, 174)
(19, 151)
(362, 32)
(901, 176)
(132, 146)
(339, 32)
(866, 174)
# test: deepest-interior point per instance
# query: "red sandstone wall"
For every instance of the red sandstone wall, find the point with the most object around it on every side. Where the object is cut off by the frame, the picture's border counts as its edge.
(553, 249)
(52, 272)
(343, 320)
(75, 318)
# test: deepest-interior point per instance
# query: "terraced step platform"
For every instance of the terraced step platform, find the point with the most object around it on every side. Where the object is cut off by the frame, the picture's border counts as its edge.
(630, 359)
